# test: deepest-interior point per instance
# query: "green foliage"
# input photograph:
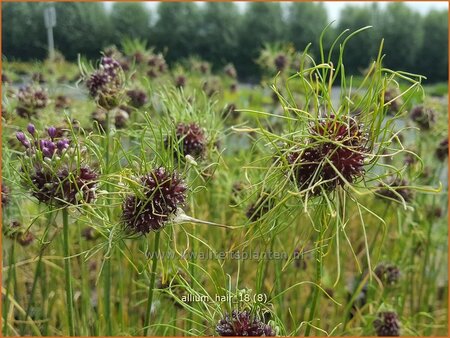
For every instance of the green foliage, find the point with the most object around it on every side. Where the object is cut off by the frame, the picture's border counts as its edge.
(129, 20)
(263, 23)
(81, 27)
(433, 56)
(177, 29)
(27, 39)
(305, 24)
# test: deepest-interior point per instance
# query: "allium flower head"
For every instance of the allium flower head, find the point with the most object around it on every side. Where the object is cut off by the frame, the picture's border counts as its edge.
(230, 71)
(388, 274)
(191, 140)
(138, 98)
(387, 324)
(242, 323)
(335, 154)
(180, 81)
(31, 100)
(121, 119)
(157, 65)
(396, 189)
(442, 150)
(52, 172)
(105, 84)
(424, 117)
(162, 193)
(392, 94)
(280, 62)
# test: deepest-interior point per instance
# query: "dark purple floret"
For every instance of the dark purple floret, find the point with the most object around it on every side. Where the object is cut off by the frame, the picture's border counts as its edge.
(242, 323)
(387, 324)
(162, 194)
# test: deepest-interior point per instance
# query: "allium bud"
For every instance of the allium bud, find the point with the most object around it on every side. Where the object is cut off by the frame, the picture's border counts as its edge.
(242, 323)
(162, 194)
(230, 71)
(387, 324)
(121, 118)
(31, 129)
(51, 132)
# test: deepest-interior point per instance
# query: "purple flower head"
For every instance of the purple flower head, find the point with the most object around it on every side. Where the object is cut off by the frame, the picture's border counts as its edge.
(51, 132)
(31, 129)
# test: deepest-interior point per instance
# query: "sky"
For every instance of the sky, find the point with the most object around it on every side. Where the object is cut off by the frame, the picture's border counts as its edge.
(334, 7)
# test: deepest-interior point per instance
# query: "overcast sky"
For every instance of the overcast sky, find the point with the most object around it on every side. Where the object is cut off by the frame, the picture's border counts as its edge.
(334, 7)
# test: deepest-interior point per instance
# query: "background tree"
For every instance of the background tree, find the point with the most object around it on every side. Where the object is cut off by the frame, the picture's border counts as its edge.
(129, 20)
(363, 47)
(177, 29)
(433, 56)
(262, 23)
(402, 31)
(23, 30)
(218, 33)
(81, 28)
(306, 21)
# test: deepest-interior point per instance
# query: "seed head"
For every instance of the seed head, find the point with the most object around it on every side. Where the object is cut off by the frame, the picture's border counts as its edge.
(242, 323)
(387, 324)
(162, 194)
(230, 71)
(337, 149)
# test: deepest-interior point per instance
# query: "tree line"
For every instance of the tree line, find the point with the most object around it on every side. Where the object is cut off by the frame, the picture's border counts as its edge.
(223, 32)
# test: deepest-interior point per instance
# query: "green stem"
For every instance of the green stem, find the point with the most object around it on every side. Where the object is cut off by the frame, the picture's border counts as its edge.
(152, 283)
(107, 264)
(318, 281)
(69, 291)
(38, 271)
(8, 288)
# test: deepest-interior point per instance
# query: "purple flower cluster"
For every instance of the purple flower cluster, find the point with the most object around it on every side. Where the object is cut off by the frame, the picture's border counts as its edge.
(336, 154)
(163, 193)
(387, 324)
(138, 98)
(51, 170)
(105, 84)
(48, 146)
(30, 100)
(242, 323)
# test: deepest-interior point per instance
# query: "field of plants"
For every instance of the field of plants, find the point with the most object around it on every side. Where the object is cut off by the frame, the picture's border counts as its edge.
(141, 199)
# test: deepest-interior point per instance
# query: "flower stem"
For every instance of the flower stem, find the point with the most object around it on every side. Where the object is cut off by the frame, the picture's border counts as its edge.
(107, 264)
(152, 283)
(318, 280)
(69, 292)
